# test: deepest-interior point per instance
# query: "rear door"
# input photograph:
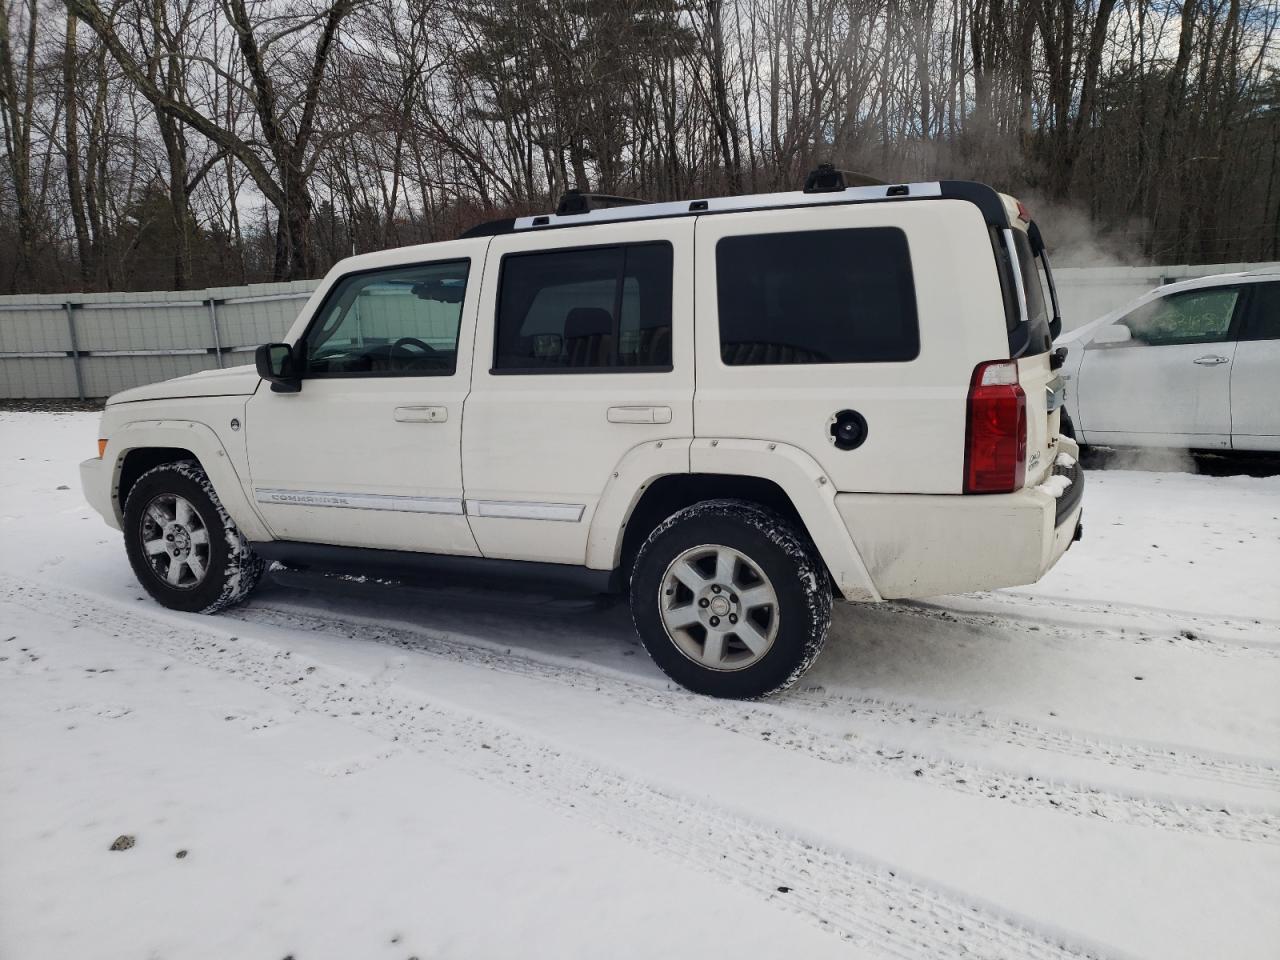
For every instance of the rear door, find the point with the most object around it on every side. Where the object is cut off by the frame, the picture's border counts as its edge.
(1255, 409)
(1170, 385)
(584, 350)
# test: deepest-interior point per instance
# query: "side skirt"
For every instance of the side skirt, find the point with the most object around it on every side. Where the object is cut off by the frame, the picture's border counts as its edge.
(317, 566)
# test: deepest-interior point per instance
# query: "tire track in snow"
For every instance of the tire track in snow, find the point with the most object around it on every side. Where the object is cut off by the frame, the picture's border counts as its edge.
(866, 903)
(1034, 615)
(980, 725)
(775, 722)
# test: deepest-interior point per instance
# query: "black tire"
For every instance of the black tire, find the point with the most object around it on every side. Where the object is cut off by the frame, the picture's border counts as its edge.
(231, 568)
(787, 559)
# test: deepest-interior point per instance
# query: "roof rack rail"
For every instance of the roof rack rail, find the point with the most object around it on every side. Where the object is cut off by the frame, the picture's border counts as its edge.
(825, 178)
(607, 210)
(579, 201)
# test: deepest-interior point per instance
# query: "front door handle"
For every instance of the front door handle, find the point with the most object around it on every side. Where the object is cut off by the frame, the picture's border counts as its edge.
(1211, 361)
(639, 414)
(422, 414)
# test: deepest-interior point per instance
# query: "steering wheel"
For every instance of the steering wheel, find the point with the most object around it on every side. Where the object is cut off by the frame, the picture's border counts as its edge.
(401, 356)
(403, 342)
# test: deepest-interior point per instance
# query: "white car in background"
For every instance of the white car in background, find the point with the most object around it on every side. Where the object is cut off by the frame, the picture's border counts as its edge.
(1192, 364)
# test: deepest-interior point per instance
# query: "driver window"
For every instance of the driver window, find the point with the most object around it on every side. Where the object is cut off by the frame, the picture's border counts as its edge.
(397, 322)
(1195, 316)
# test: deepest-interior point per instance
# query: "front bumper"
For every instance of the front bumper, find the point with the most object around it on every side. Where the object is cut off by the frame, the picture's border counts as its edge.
(927, 545)
(97, 480)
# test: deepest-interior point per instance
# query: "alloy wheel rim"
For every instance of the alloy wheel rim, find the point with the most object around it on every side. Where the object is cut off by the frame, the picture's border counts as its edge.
(175, 541)
(718, 607)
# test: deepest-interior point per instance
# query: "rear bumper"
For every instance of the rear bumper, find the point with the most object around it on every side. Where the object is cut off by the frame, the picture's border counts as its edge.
(922, 546)
(96, 481)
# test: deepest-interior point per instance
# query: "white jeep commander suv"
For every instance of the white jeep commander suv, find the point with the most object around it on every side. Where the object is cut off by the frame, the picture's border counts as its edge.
(731, 408)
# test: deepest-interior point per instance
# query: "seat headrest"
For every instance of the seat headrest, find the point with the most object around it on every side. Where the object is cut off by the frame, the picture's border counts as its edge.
(587, 322)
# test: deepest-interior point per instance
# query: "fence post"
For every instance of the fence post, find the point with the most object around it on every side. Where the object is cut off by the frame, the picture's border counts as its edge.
(213, 325)
(75, 348)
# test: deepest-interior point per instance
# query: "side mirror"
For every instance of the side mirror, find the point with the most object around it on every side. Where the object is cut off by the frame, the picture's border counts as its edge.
(1116, 333)
(276, 365)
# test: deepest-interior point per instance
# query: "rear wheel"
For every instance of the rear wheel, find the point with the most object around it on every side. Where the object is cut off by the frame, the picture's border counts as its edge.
(730, 600)
(184, 548)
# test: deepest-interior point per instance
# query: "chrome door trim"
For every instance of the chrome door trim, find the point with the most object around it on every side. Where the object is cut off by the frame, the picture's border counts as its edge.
(495, 509)
(525, 510)
(359, 501)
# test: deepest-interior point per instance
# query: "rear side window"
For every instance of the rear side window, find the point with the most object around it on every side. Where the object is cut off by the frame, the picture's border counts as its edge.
(588, 309)
(1194, 316)
(820, 296)
(1263, 321)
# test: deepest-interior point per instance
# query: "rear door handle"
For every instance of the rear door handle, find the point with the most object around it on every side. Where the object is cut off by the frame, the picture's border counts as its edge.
(422, 414)
(1211, 361)
(639, 414)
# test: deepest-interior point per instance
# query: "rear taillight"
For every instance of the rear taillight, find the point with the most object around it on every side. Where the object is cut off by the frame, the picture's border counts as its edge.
(995, 448)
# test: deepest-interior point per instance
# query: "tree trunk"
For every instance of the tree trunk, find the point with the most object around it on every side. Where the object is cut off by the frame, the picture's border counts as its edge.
(75, 190)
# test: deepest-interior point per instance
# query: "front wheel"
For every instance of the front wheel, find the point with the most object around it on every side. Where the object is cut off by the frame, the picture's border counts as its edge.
(730, 600)
(184, 548)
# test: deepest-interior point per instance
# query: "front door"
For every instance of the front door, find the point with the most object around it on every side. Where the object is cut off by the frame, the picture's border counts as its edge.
(1170, 385)
(584, 351)
(367, 453)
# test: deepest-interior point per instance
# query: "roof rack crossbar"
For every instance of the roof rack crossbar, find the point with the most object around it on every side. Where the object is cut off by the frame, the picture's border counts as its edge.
(577, 201)
(825, 178)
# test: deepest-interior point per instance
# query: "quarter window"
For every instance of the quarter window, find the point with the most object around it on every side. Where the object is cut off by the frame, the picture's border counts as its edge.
(592, 308)
(1194, 316)
(397, 322)
(822, 296)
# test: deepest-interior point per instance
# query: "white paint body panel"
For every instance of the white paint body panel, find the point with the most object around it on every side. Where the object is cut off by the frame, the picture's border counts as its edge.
(549, 437)
(229, 382)
(915, 411)
(199, 425)
(1156, 395)
(1255, 395)
(1000, 540)
(349, 439)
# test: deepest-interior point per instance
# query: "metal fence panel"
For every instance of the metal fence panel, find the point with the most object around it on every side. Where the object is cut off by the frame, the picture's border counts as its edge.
(143, 327)
(37, 378)
(104, 376)
(37, 330)
(104, 343)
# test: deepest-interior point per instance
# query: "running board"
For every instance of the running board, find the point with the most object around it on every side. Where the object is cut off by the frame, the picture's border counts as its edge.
(492, 583)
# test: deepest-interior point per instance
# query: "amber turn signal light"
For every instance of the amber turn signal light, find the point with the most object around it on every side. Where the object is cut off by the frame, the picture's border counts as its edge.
(102, 448)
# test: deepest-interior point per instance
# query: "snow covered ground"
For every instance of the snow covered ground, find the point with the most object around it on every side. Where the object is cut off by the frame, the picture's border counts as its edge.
(1089, 767)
